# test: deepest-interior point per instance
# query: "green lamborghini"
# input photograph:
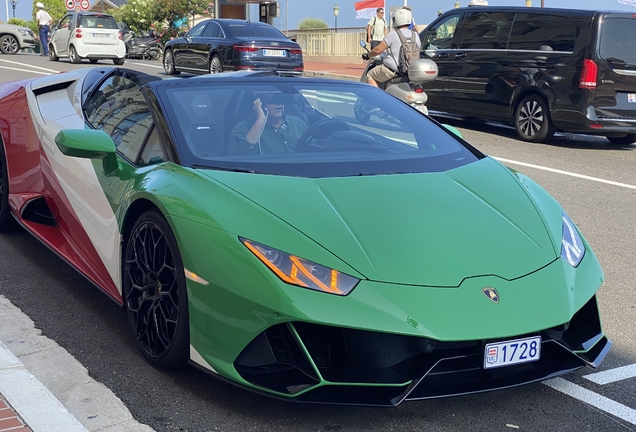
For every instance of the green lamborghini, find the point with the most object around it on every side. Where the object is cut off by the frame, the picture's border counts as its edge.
(250, 225)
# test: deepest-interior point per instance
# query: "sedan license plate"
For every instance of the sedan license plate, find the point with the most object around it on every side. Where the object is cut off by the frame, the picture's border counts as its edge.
(273, 53)
(512, 352)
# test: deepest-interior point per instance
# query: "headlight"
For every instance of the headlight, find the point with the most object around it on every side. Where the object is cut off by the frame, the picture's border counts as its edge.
(572, 248)
(300, 272)
(25, 32)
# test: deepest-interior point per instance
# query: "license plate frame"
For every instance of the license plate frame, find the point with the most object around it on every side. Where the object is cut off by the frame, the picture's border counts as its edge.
(512, 352)
(101, 35)
(273, 53)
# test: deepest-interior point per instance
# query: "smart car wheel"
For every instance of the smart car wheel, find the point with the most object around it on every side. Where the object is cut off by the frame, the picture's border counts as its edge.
(215, 65)
(168, 64)
(532, 119)
(9, 44)
(94, 60)
(155, 294)
(6, 221)
(623, 140)
(73, 56)
(52, 55)
(119, 61)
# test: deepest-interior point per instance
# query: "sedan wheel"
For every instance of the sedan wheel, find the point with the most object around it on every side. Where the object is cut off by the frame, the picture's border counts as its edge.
(72, 55)
(6, 220)
(215, 65)
(168, 64)
(623, 140)
(9, 44)
(155, 292)
(532, 119)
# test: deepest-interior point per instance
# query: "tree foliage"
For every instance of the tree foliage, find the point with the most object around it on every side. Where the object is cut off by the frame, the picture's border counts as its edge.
(55, 8)
(136, 14)
(312, 23)
(18, 21)
(171, 11)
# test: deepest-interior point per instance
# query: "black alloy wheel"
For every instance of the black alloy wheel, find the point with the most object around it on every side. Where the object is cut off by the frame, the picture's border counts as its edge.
(532, 119)
(155, 292)
(9, 44)
(623, 140)
(216, 66)
(6, 220)
(168, 63)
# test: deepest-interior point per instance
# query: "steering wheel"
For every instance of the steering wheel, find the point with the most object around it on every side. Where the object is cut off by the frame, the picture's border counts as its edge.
(319, 130)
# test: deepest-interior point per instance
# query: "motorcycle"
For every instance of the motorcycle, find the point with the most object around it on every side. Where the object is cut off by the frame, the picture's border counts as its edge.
(147, 46)
(406, 88)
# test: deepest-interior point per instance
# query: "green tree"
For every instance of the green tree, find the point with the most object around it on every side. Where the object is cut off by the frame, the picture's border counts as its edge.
(55, 8)
(171, 11)
(312, 23)
(136, 14)
(17, 21)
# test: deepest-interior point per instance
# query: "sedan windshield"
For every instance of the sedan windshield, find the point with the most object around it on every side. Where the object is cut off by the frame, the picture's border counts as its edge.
(241, 29)
(306, 128)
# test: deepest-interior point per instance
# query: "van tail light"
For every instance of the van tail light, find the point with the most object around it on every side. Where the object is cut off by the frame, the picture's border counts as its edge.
(588, 75)
(245, 48)
(78, 33)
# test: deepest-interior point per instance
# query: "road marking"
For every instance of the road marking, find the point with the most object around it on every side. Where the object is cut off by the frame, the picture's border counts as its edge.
(31, 66)
(147, 65)
(596, 400)
(613, 375)
(25, 70)
(539, 167)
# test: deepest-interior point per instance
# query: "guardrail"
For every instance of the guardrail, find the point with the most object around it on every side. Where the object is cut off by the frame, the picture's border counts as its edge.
(332, 42)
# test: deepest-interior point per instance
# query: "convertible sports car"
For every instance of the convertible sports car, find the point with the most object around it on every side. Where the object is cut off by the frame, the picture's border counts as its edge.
(363, 264)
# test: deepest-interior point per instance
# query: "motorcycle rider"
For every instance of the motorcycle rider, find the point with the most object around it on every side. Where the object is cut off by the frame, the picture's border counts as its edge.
(402, 19)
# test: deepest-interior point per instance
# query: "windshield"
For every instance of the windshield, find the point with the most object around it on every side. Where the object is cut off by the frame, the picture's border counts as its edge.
(618, 41)
(306, 128)
(241, 29)
(98, 21)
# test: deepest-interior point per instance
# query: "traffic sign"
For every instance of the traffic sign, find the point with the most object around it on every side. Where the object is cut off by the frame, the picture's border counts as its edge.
(70, 4)
(78, 8)
(85, 4)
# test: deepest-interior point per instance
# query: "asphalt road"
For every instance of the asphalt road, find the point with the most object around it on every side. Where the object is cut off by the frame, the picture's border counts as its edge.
(593, 180)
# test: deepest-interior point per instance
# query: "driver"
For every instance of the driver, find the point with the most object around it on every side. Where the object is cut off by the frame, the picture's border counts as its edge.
(271, 132)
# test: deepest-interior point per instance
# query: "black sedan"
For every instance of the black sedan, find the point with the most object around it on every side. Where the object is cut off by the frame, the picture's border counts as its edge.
(218, 45)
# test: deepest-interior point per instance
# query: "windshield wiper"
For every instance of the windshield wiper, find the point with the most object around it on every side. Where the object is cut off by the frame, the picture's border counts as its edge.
(236, 169)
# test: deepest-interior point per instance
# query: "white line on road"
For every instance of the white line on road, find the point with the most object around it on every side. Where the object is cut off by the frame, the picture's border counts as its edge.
(539, 167)
(31, 66)
(596, 400)
(147, 65)
(613, 375)
(25, 70)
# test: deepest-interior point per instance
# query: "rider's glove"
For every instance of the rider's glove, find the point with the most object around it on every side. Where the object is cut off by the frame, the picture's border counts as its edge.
(365, 56)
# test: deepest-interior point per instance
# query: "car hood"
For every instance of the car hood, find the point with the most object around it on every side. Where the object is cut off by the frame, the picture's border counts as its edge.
(430, 229)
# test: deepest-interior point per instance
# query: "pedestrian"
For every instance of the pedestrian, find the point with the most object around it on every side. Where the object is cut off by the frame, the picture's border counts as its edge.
(44, 21)
(377, 28)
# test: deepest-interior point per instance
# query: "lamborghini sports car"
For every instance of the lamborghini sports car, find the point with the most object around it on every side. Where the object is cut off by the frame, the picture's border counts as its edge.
(350, 263)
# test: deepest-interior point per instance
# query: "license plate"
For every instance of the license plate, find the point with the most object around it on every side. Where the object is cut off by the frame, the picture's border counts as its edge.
(101, 35)
(631, 97)
(512, 352)
(422, 109)
(273, 53)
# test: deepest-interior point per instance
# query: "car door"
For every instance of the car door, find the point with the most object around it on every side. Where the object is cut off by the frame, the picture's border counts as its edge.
(475, 84)
(438, 45)
(188, 56)
(62, 35)
(212, 37)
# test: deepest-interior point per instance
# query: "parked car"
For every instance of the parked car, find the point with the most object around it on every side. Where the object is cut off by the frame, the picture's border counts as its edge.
(86, 35)
(218, 45)
(541, 70)
(362, 263)
(13, 38)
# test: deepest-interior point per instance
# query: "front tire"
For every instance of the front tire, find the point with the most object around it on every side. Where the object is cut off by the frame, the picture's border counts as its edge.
(532, 119)
(6, 220)
(9, 44)
(216, 66)
(52, 55)
(168, 64)
(155, 292)
(73, 56)
(623, 140)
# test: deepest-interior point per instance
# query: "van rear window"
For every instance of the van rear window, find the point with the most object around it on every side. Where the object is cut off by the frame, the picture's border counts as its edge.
(618, 40)
(98, 21)
(543, 33)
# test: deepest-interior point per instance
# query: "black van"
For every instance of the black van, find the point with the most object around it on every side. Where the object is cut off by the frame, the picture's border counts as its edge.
(539, 69)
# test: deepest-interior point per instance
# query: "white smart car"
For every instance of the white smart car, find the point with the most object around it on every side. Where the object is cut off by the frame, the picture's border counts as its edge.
(87, 35)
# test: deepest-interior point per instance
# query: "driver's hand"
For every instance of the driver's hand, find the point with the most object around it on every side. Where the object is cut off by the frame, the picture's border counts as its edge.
(258, 110)
(365, 56)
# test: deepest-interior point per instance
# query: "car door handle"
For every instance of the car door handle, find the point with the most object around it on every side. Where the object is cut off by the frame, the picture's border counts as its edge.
(460, 55)
(443, 56)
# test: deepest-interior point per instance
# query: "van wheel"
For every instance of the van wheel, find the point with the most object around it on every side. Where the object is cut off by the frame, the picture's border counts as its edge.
(532, 119)
(73, 56)
(623, 140)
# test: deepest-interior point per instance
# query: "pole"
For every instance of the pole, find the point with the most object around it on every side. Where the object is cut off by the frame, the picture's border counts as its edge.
(7, 1)
(286, 16)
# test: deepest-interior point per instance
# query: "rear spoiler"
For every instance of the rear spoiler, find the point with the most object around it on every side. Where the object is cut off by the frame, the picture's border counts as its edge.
(54, 82)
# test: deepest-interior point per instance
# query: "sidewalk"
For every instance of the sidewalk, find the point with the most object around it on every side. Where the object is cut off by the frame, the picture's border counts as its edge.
(342, 71)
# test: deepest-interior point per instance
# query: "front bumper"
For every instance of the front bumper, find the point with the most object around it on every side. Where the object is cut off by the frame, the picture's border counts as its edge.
(323, 364)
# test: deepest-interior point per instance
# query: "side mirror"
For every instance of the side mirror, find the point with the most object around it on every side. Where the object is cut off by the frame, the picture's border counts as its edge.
(89, 144)
(54, 27)
(181, 34)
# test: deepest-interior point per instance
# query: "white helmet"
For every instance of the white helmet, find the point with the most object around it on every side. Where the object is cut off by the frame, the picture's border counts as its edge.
(402, 17)
(477, 3)
(39, 5)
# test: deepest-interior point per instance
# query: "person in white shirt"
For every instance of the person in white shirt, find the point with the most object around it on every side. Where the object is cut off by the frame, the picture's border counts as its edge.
(377, 28)
(44, 21)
